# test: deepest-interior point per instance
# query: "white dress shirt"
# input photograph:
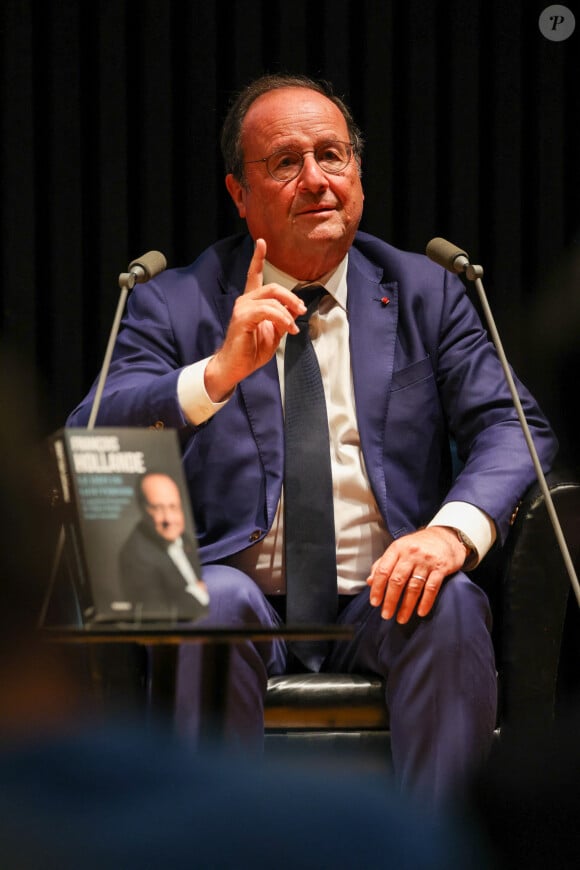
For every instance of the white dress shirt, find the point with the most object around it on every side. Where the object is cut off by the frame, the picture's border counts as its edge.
(361, 535)
(178, 556)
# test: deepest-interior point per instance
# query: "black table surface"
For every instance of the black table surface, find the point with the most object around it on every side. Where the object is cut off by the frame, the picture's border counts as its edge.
(176, 633)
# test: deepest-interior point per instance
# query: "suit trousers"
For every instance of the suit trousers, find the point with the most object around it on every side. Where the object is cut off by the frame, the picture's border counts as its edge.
(441, 682)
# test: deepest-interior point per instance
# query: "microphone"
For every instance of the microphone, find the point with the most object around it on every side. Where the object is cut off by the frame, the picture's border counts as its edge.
(456, 260)
(141, 270)
(447, 255)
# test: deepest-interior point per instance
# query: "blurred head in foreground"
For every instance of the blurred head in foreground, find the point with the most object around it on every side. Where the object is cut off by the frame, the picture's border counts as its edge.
(37, 689)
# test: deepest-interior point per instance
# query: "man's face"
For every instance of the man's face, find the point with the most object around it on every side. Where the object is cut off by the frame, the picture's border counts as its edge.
(308, 223)
(163, 506)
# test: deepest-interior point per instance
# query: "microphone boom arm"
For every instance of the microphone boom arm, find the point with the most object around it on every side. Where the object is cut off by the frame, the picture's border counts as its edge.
(141, 270)
(474, 274)
(109, 351)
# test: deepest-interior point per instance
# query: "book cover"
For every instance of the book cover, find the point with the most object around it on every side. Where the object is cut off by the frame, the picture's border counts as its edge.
(129, 532)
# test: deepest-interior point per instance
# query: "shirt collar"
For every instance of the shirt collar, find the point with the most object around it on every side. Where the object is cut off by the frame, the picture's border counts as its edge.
(334, 281)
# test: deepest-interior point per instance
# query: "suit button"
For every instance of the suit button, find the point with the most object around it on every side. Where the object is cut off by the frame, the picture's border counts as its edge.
(158, 425)
(255, 536)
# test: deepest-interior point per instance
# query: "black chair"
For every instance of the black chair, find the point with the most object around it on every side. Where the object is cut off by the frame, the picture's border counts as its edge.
(530, 594)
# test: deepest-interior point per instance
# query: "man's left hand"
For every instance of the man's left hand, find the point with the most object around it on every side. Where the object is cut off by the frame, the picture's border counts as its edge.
(411, 571)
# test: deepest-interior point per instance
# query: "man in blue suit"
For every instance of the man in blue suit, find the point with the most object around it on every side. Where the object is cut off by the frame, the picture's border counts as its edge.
(405, 365)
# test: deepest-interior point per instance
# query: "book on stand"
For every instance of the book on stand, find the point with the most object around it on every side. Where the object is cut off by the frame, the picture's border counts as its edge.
(127, 529)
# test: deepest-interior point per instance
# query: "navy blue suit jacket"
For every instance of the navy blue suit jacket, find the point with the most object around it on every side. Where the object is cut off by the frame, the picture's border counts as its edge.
(151, 581)
(424, 371)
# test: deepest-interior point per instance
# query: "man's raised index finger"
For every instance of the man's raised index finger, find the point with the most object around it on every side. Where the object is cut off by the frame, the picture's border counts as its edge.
(255, 273)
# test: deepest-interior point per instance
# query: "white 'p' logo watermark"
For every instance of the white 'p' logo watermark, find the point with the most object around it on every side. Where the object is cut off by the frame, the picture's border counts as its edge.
(557, 23)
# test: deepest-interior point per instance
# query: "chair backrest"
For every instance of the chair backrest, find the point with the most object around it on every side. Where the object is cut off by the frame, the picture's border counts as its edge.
(536, 593)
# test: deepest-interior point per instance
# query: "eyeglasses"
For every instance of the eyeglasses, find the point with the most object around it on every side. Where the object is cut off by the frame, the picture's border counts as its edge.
(285, 165)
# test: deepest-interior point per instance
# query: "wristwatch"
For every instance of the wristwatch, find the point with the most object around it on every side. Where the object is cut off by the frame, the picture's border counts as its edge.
(471, 555)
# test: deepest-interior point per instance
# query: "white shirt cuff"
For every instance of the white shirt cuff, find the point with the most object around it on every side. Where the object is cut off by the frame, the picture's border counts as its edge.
(192, 394)
(473, 522)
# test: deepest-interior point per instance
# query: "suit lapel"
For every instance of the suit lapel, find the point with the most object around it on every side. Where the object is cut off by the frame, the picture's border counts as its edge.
(372, 305)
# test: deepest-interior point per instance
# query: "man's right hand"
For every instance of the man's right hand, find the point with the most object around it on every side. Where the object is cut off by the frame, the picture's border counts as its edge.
(261, 316)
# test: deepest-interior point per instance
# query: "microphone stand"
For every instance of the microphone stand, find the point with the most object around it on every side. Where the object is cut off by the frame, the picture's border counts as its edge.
(127, 281)
(139, 270)
(474, 274)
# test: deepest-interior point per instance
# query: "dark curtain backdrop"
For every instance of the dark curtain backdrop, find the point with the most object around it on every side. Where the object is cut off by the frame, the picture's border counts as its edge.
(110, 115)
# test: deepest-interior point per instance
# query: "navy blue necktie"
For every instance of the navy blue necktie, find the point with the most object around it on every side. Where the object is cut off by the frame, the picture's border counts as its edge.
(310, 548)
